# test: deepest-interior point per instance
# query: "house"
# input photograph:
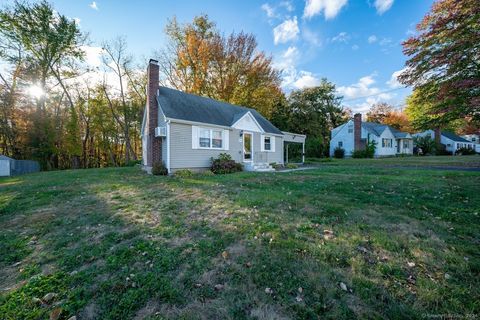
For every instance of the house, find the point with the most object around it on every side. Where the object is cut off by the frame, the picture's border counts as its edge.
(475, 139)
(184, 131)
(355, 134)
(450, 140)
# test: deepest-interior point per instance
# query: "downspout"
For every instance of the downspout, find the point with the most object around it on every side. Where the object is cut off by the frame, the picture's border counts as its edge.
(168, 146)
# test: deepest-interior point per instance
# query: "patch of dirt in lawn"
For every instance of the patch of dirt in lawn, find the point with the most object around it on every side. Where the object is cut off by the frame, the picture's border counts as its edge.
(90, 312)
(267, 312)
(150, 309)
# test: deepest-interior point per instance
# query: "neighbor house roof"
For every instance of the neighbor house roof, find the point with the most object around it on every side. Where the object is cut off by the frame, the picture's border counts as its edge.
(184, 106)
(452, 136)
(377, 129)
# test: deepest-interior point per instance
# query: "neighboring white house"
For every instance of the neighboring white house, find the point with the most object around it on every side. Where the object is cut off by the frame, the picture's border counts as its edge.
(355, 134)
(450, 140)
(184, 131)
(475, 139)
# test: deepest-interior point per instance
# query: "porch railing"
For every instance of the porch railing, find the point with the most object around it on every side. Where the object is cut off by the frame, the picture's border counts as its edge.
(260, 157)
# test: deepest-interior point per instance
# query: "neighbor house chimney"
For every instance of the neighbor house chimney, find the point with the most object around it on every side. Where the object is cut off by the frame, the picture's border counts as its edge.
(357, 131)
(154, 145)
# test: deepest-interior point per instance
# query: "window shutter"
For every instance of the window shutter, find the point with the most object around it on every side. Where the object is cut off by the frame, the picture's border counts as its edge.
(194, 137)
(226, 139)
(262, 142)
(272, 144)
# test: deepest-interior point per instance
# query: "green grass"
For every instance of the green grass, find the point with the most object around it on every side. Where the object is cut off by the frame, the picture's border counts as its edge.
(118, 244)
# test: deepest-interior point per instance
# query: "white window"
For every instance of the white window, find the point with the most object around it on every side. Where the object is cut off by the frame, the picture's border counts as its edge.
(206, 138)
(268, 143)
(386, 143)
(340, 144)
(405, 144)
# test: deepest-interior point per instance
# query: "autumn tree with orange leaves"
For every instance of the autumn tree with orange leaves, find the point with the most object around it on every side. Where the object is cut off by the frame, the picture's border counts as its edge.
(201, 60)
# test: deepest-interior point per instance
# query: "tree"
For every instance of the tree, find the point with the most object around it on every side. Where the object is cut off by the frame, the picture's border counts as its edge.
(311, 111)
(378, 112)
(398, 120)
(47, 40)
(443, 65)
(200, 60)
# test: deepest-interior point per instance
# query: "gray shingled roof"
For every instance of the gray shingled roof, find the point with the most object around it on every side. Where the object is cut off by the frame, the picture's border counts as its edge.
(454, 137)
(378, 128)
(184, 106)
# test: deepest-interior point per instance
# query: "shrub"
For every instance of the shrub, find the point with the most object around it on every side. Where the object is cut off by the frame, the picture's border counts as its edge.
(277, 166)
(339, 153)
(159, 169)
(291, 166)
(425, 144)
(184, 173)
(225, 164)
(465, 151)
(368, 152)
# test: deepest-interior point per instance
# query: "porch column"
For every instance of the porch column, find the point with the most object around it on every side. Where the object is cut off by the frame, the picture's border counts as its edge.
(287, 153)
(303, 152)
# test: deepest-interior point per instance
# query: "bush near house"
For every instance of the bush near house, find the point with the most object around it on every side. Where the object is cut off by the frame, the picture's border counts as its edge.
(339, 153)
(465, 151)
(425, 144)
(368, 152)
(225, 164)
(291, 166)
(159, 169)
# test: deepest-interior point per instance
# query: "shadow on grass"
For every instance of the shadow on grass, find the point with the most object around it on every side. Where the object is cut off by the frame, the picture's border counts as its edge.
(115, 243)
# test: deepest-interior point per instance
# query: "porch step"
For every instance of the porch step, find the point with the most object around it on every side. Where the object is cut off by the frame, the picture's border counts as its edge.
(259, 167)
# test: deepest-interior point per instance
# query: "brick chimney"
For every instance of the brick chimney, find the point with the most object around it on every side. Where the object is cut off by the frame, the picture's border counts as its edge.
(357, 131)
(154, 144)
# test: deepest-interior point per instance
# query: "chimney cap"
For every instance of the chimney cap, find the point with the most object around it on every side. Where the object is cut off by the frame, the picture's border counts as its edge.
(153, 61)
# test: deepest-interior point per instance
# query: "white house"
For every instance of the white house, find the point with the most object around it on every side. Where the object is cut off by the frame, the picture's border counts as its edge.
(475, 139)
(355, 134)
(450, 140)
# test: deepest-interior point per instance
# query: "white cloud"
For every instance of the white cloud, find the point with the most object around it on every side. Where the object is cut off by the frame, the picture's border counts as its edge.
(286, 31)
(306, 80)
(355, 47)
(287, 5)
(93, 5)
(372, 39)
(330, 8)
(269, 10)
(341, 37)
(393, 82)
(363, 94)
(360, 89)
(385, 41)
(288, 58)
(383, 5)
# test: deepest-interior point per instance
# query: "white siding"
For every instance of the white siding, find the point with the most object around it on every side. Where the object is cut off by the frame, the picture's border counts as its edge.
(341, 134)
(4, 168)
(182, 155)
(381, 151)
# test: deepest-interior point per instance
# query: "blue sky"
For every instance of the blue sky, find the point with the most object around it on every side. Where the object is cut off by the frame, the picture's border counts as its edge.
(354, 43)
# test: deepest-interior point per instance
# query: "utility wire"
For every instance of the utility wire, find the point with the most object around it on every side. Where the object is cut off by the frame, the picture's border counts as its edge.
(373, 95)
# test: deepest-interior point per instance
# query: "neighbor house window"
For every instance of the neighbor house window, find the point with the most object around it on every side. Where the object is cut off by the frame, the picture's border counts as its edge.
(267, 143)
(386, 143)
(340, 144)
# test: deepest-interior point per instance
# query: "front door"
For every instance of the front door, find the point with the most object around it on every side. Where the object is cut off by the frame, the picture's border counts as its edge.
(247, 147)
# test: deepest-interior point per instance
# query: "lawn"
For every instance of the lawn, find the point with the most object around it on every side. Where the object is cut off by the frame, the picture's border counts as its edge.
(352, 238)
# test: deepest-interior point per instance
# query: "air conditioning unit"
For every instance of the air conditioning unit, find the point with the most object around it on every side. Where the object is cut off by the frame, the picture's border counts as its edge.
(160, 131)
